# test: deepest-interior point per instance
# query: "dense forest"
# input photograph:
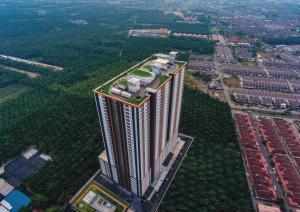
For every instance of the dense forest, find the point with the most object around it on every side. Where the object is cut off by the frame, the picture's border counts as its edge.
(58, 113)
(9, 78)
(211, 177)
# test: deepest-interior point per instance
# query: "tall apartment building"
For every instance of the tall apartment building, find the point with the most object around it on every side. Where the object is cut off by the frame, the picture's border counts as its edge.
(139, 113)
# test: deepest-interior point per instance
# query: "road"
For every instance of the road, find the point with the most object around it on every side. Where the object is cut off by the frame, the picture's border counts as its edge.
(21, 60)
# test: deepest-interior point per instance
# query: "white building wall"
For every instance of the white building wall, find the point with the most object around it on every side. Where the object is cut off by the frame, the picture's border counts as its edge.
(104, 168)
(114, 173)
(144, 136)
(158, 141)
(157, 124)
(147, 136)
(173, 110)
(107, 135)
(165, 121)
(166, 113)
(137, 151)
(180, 101)
(142, 141)
(129, 124)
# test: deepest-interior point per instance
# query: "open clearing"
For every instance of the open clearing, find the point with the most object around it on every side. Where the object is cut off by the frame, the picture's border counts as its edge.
(12, 92)
(193, 82)
(232, 82)
(28, 73)
(43, 65)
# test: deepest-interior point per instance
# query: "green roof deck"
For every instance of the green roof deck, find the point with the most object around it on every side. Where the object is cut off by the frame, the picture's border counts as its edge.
(141, 73)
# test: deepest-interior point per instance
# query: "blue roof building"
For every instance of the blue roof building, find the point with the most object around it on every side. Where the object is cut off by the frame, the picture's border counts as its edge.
(15, 200)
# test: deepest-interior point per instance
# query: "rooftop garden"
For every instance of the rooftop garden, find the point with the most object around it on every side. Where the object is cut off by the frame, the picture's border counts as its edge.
(140, 70)
(105, 88)
(141, 73)
(136, 101)
(123, 82)
(162, 79)
(180, 63)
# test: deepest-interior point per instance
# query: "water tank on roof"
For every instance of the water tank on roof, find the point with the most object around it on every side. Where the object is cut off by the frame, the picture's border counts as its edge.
(134, 84)
(126, 94)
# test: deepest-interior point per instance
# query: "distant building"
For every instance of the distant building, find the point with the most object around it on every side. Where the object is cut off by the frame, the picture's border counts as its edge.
(292, 48)
(24, 165)
(237, 41)
(140, 125)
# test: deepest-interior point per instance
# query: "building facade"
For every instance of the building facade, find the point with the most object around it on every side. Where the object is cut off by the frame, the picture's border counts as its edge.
(139, 134)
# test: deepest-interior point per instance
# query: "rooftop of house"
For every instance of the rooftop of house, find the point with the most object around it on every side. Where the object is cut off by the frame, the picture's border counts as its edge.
(133, 85)
(14, 201)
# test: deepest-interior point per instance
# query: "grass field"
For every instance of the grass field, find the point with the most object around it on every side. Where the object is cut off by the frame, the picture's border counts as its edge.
(12, 91)
(249, 63)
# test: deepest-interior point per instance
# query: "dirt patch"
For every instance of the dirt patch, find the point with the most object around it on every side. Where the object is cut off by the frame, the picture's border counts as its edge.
(193, 82)
(218, 95)
(28, 73)
(232, 82)
(11, 92)
(264, 55)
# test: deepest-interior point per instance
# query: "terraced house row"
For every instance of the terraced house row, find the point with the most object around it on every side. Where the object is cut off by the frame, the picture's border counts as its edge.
(275, 146)
(260, 177)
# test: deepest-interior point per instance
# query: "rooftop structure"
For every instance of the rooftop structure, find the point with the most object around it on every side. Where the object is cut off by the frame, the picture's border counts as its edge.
(5, 188)
(268, 208)
(292, 48)
(14, 202)
(132, 86)
(30, 152)
(238, 41)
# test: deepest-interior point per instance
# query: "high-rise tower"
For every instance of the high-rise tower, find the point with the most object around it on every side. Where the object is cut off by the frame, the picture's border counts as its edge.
(139, 113)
